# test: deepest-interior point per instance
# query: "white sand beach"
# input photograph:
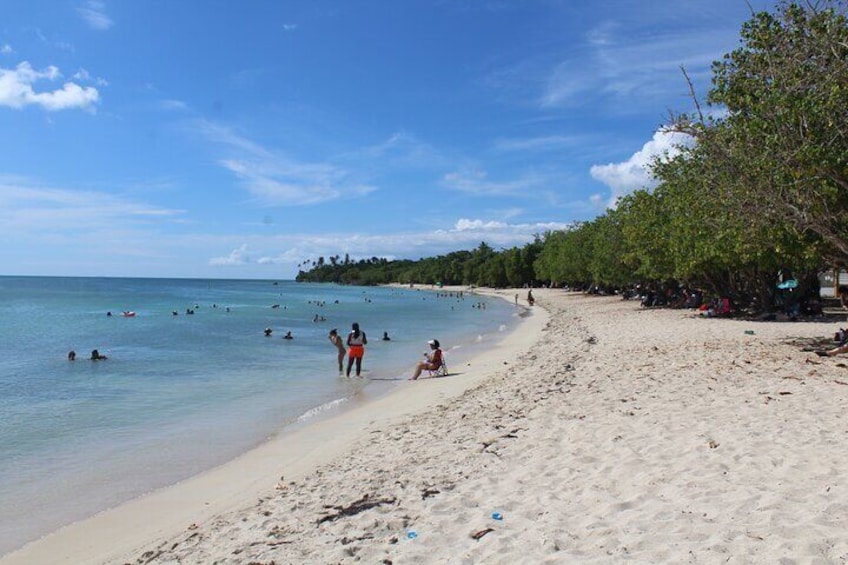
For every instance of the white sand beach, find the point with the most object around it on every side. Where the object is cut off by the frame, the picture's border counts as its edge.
(598, 432)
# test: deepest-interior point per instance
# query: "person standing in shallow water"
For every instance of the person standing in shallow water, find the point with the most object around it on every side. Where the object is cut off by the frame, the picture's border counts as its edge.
(356, 342)
(336, 340)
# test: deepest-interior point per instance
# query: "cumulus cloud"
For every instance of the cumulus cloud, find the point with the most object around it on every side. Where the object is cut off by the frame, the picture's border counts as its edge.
(93, 13)
(633, 174)
(238, 256)
(500, 229)
(464, 224)
(16, 90)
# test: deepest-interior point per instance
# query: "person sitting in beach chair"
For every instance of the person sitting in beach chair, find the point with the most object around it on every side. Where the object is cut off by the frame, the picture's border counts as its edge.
(434, 363)
(720, 307)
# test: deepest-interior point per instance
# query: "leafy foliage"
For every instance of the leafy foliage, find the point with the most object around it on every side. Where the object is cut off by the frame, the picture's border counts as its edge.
(482, 267)
(786, 130)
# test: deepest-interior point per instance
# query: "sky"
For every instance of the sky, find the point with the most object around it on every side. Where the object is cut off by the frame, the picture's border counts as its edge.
(238, 139)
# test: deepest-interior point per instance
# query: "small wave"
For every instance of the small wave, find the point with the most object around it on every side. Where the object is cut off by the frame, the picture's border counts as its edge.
(502, 328)
(313, 412)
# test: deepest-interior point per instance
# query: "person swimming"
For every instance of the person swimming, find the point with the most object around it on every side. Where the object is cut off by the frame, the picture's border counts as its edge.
(96, 356)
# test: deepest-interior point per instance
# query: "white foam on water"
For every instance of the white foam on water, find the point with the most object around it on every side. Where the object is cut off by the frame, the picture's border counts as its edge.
(324, 408)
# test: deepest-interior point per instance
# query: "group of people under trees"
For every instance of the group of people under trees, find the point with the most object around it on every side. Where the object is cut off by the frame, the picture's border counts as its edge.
(790, 304)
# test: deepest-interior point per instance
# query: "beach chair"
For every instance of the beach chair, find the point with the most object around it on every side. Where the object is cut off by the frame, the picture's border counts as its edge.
(442, 370)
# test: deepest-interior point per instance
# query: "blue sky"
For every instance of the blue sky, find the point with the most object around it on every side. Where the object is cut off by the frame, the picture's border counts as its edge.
(235, 139)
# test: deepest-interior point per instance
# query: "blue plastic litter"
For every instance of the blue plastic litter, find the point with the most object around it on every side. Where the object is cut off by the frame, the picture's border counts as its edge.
(412, 534)
(497, 516)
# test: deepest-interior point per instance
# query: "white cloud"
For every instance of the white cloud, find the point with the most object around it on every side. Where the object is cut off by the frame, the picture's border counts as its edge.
(633, 174)
(276, 180)
(289, 27)
(475, 181)
(401, 150)
(94, 14)
(84, 75)
(630, 68)
(174, 105)
(597, 201)
(502, 230)
(26, 208)
(238, 256)
(535, 144)
(16, 90)
(6, 49)
(467, 233)
(464, 224)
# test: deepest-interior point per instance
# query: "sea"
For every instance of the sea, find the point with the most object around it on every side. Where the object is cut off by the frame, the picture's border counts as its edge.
(190, 380)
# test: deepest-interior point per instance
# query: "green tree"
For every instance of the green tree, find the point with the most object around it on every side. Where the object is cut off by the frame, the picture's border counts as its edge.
(785, 134)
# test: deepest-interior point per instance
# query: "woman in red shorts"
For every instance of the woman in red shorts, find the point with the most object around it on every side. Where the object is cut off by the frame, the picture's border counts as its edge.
(356, 342)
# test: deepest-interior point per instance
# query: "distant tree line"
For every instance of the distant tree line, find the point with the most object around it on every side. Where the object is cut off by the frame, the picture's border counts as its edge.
(759, 196)
(481, 267)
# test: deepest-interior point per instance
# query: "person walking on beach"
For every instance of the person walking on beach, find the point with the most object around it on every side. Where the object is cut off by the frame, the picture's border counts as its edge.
(356, 341)
(336, 340)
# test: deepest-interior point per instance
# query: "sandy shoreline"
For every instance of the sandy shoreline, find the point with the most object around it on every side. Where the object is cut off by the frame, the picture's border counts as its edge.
(599, 432)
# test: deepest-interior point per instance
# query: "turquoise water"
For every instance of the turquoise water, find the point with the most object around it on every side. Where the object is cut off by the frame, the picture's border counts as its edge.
(182, 393)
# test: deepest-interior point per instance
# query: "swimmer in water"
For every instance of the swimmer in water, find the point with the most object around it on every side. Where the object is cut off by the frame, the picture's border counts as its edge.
(96, 356)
